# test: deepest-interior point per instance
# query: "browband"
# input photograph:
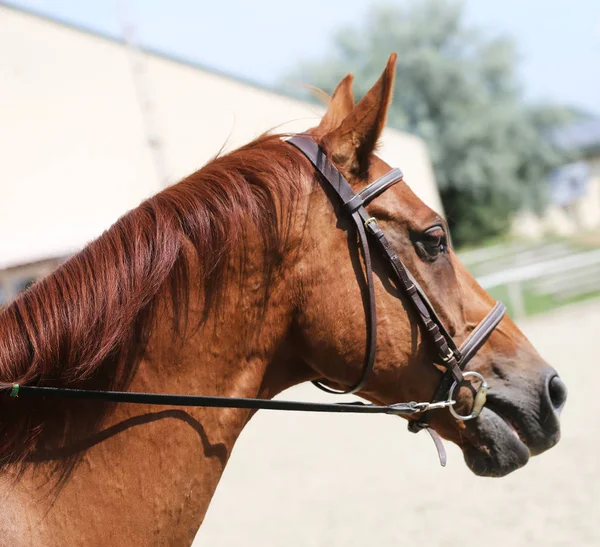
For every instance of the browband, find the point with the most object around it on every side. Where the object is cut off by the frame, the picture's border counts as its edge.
(373, 190)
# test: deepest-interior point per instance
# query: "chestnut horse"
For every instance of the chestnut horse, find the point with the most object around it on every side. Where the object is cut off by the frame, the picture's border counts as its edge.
(239, 281)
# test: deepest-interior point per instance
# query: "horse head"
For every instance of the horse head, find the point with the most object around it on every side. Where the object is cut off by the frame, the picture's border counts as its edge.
(525, 395)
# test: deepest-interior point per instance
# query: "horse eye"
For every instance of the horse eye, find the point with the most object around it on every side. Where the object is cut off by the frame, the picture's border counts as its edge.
(432, 242)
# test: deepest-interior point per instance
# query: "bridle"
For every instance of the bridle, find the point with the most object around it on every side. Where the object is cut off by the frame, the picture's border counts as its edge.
(454, 359)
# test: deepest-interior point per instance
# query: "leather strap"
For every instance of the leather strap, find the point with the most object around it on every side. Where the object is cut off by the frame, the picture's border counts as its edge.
(381, 185)
(481, 333)
(446, 349)
(373, 190)
(439, 445)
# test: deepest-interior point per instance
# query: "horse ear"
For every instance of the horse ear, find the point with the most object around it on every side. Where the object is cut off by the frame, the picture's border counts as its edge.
(354, 140)
(340, 105)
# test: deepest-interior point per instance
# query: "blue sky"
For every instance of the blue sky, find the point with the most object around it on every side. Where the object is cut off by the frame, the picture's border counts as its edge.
(558, 40)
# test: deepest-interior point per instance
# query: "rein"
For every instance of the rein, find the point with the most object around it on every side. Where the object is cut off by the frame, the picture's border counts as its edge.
(454, 359)
(358, 407)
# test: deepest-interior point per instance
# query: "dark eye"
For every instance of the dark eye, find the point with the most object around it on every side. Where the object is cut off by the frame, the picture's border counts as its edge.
(432, 243)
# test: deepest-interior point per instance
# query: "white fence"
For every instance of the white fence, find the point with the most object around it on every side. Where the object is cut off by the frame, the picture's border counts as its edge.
(560, 275)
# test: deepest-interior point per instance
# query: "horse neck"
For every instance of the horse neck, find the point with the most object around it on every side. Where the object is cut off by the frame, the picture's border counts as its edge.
(173, 457)
(243, 349)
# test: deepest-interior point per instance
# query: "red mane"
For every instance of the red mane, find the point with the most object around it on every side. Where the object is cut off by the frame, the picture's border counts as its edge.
(87, 323)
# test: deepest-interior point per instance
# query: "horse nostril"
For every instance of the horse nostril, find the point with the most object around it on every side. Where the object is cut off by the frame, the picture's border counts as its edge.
(557, 391)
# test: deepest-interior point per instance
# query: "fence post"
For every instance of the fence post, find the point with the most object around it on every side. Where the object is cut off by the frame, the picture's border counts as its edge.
(516, 300)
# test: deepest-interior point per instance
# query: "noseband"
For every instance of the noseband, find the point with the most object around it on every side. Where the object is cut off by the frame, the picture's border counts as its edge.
(454, 359)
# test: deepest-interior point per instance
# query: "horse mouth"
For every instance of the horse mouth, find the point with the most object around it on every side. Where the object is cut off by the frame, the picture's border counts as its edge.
(497, 446)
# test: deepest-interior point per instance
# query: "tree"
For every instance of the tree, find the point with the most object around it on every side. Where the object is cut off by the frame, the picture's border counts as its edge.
(458, 91)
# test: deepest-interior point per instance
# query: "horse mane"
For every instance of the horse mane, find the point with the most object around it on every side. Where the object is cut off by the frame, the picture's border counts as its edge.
(87, 323)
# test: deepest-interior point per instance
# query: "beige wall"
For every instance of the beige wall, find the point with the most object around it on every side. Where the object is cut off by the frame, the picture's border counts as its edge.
(74, 151)
(14, 280)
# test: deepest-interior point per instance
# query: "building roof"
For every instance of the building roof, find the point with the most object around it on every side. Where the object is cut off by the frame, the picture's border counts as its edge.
(582, 136)
(569, 183)
(117, 39)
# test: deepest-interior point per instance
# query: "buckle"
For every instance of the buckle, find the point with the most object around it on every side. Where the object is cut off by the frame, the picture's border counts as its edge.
(371, 220)
(448, 357)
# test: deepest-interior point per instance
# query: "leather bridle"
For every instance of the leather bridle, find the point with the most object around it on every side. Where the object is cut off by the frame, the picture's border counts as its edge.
(454, 359)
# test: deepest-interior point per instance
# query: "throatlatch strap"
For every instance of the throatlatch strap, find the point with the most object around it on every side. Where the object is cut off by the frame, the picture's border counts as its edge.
(371, 317)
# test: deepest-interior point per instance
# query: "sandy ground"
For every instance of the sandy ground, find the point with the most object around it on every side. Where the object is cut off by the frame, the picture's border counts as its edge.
(326, 480)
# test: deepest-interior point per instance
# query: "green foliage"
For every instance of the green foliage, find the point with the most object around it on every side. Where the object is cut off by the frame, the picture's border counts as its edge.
(458, 91)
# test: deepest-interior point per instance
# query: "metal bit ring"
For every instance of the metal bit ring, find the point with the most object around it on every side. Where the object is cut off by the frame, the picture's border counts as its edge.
(480, 397)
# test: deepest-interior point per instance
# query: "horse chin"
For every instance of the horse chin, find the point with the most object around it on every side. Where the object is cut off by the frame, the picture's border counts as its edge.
(495, 449)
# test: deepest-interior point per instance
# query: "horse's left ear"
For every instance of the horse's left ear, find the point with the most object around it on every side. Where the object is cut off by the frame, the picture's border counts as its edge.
(340, 105)
(352, 143)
